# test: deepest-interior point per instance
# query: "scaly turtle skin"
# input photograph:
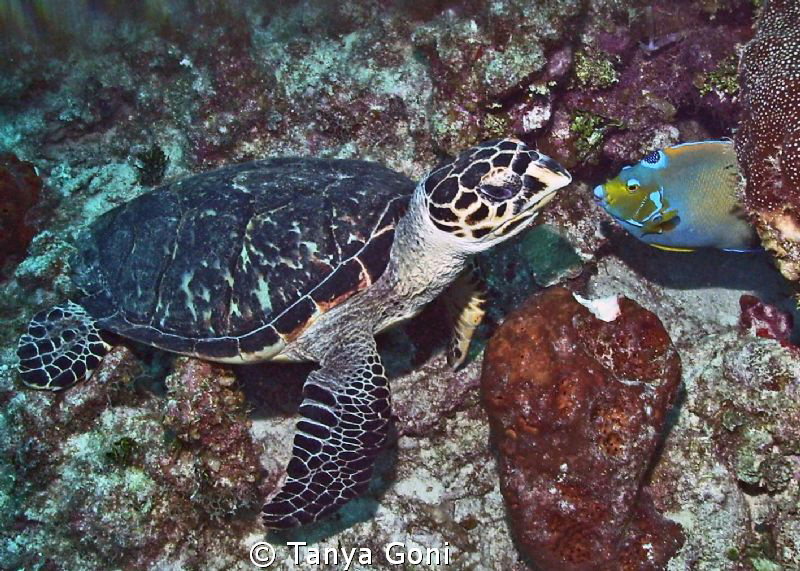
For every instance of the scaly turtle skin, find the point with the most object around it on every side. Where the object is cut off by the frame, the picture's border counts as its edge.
(294, 259)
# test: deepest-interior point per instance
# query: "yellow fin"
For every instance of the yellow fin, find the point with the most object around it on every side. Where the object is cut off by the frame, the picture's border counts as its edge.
(672, 248)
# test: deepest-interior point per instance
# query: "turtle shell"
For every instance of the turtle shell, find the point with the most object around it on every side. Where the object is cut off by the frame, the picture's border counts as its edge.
(234, 263)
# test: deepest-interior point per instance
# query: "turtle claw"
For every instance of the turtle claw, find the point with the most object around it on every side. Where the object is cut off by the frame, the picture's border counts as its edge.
(455, 356)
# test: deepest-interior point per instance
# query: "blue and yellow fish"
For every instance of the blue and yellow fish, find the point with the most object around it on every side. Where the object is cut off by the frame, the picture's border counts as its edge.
(682, 198)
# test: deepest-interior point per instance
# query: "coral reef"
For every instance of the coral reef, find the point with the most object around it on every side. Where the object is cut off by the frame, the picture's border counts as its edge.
(110, 475)
(20, 187)
(634, 81)
(577, 395)
(206, 414)
(728, 466)
(145, 469)
(768, 141)
(480, 60)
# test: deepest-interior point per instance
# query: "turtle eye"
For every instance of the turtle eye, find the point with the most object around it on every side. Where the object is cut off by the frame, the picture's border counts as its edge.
(497, 193)
(633, 185)
(500, 186)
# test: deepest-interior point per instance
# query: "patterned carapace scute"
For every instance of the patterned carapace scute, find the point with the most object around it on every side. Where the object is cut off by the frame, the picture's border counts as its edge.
(224, 262)
(768, 140)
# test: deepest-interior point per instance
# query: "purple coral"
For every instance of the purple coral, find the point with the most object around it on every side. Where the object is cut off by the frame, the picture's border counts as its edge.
(208, 416)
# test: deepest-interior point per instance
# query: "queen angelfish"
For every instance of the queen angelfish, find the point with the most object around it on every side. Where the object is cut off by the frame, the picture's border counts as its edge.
(682, 198)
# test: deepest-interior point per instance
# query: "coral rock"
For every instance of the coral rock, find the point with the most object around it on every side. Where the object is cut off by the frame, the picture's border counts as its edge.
(631, 84)
(768, 141)
(208, 416)
(577, 407)
(19, 191)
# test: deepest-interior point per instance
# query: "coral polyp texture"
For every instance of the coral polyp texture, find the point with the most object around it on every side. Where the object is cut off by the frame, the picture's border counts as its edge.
(20, 187)
(768, 141)
(577, 404)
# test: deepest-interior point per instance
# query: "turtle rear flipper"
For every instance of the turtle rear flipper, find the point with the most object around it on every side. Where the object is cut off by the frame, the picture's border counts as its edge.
(62, 346)
(345, 421)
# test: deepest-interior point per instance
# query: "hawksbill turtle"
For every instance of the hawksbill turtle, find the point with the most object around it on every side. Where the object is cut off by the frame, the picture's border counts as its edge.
(294, 259)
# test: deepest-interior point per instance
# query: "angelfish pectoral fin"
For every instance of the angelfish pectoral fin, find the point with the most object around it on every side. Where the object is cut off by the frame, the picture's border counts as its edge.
(345, 422)
(662, 223)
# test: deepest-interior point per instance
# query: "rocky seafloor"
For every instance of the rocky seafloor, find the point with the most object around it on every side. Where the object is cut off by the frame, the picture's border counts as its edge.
(161, 462)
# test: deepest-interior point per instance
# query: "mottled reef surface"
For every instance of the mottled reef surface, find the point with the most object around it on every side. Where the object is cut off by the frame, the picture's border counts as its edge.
(163, 463)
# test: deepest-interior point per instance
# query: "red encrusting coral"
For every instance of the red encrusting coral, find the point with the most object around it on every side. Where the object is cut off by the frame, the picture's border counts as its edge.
(20, 187)
(764, 319)
(768, 141)
(577, 408)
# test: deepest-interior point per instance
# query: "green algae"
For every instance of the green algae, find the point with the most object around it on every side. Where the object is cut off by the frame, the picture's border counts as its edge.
(762, 564)
(589, 131)
(122, 451)
(495, 126)
(750, 454)
(723, 79)
(594, 70)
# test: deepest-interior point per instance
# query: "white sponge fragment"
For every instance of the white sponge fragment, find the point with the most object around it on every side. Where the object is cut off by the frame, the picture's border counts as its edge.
(605, 308)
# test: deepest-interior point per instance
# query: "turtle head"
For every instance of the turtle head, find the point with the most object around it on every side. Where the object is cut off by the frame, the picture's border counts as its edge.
(491, 192)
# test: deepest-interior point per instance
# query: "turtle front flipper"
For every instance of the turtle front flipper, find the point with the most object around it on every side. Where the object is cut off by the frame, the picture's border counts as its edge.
(62, 346)
(345, 421)
(465, 299)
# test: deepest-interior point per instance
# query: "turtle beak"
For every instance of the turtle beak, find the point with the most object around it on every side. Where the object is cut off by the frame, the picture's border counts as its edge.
(551, 176)
(549, 173)
(549, 164)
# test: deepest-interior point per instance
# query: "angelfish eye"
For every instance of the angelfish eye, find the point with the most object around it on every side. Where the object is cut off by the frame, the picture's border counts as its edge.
(633, 185)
